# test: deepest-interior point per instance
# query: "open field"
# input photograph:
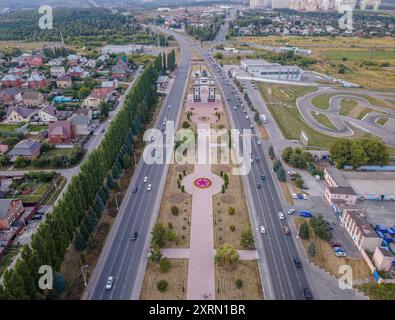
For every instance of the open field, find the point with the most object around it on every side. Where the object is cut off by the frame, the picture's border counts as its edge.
(323, 119)
(363, 59)
(282, 105)
(176, 277)
(327, 260)
(248, 273)
(28, 46)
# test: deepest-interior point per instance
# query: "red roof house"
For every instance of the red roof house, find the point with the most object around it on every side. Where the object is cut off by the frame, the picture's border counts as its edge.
(61, 132)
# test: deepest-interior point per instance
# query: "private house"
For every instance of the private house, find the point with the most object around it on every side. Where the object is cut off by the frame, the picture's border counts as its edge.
(37, 81)
(18, 71)
(337, 188)
(73, 60)
(360, 230)
(11, 81)
(10, 210)
(120, 70)
(85, 112)
(97, 97)
(56, 62)
(82, 124)
(10, 97)
(19, 114)
(64, 82)
(33, 99)
(90, 64)
(35, 61)
(110, 84)
(61, 132)
(50, 114)
(383, 259)
(77, 72)
(4, 148)
(57, 71)
(29, 149)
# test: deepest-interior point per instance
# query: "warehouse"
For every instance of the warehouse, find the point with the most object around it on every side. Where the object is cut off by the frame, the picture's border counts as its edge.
(263, 69)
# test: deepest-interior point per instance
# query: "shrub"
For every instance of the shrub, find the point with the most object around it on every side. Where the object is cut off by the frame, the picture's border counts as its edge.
(247, 239)
(232, 227)
(239, 283)
(164, 265)
(231, 211)
(162, 285)
(304, 232)
(174, 210)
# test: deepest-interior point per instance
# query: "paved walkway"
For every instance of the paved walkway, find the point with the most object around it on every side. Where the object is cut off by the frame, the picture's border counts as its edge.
(181, 253)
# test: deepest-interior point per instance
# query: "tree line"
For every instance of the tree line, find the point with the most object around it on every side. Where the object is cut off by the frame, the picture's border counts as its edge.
(75, 216)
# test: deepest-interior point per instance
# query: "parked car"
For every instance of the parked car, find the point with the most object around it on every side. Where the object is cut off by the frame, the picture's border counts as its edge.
(109, 283)
(297, 263)
(335, 244)
(306, 214)
(295, 196)
(291, 211)
(340, 254)
(338, 249)
(37, 217)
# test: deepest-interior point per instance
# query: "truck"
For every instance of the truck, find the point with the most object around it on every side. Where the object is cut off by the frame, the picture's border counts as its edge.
(263, 118)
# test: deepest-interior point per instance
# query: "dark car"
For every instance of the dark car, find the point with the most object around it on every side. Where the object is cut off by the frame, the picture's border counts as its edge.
(259, 186)
(257, 159)
(134, 190)
(297, 262)
(307, 294)
(37, 217)
(134, 236)
(263, 177)
(335, 244)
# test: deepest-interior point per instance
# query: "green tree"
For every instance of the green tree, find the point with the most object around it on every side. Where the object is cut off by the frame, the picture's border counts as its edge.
(158, 235)
(312, 249)
(227, 256)
(358, 156)
(247, 240)
(340, 152)
(304, 232)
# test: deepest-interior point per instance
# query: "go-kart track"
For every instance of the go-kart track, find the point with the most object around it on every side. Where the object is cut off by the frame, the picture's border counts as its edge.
(346, 124)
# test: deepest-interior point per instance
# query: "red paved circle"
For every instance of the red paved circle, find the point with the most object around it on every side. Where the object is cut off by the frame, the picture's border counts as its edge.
(203, 183)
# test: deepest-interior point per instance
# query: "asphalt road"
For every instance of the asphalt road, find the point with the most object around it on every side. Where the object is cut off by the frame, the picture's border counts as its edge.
(281, 279)
(121, 257)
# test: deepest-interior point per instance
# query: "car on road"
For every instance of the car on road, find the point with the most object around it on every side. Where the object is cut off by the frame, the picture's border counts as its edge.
(149, 187)
(286, 230)
(291, 211)
(145, 179)
(103, 130)
(263, 177)
(259, 186)
(281, 215)
(257, 159)
(109, 283)
(258, 142)
(307, 294)
(262, 229)
(134, 236)
(169, 106)
(134, 189)
(297, 262)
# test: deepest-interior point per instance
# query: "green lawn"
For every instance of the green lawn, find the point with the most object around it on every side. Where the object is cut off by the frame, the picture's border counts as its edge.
(37, 193)
(382, 121)
(363, 113)
(9, 127)
(37, 128)
(323, 119)
(360, 55)
(379, 291)
(321, 101)
(348, 104)
(282, 105)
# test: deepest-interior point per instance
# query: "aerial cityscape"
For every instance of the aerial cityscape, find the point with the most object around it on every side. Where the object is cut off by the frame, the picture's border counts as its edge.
(197, 150)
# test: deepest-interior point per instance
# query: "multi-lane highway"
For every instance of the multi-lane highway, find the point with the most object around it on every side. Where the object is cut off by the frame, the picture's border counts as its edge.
(121, 257)
(281, 278)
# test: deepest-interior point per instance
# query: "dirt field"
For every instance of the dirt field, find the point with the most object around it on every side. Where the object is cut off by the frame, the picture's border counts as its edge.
(248, 273)
(28, 46)
(177, 278)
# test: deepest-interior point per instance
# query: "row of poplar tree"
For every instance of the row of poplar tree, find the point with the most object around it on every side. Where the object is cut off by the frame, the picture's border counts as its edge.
(75, 216)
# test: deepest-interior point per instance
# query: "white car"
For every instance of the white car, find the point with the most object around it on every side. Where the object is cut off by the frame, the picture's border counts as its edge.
(291, 211)
(109, 283)
(149, 187)
(281, 216)
(340, 254)
(304, 196)
(169, 106)
(295, 196)
(258, 142)
(262, 229)
(145, 179)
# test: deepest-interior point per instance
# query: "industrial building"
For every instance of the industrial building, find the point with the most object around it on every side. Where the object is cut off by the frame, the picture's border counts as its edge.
(263, 69)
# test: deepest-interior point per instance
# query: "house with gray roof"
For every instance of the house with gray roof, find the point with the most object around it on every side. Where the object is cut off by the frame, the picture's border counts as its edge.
(19, 114)
(29, 149)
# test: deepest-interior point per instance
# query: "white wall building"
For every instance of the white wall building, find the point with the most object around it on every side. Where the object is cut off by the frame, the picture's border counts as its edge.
(262, 69)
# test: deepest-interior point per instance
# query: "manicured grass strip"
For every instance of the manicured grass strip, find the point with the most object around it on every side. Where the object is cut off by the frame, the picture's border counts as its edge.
(363, 113)
(288, 117)
(382, 121)
(321, 101)
(324, 120)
